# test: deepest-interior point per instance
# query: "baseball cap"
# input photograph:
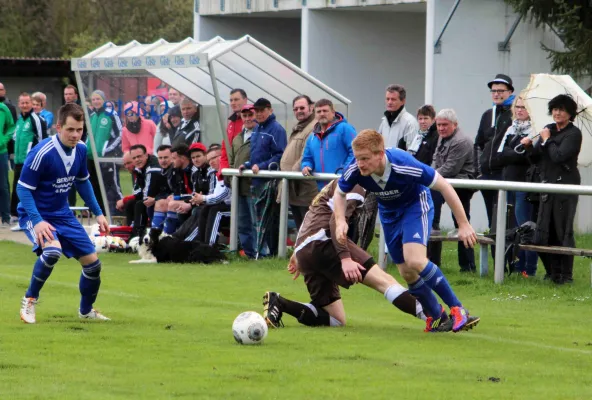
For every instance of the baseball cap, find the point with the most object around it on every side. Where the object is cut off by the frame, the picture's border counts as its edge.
(248, 107)
(262, 103)
(197, 147)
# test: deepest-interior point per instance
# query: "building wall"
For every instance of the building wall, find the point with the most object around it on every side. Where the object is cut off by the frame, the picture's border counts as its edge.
(359, 53)
(281, 34)
(470, 58)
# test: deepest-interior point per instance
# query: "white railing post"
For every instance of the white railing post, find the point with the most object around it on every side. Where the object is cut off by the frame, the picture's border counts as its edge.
(500, 237)
(283, 236)
(234, 214)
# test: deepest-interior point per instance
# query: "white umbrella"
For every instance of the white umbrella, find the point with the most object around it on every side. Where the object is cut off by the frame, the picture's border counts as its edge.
(541, 89)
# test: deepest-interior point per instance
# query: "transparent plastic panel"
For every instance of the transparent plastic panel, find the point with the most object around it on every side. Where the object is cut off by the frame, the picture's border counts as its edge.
(297, 83)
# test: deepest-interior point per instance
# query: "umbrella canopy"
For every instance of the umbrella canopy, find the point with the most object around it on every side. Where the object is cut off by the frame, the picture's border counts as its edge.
(541, 89)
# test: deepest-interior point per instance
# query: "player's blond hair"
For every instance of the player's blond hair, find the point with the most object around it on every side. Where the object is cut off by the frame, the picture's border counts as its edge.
(368, 139)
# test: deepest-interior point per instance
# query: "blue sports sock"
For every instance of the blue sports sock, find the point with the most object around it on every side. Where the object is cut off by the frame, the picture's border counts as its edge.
(426, 298)
(42, 269)
(171, 223)
(158, 219)
(435, 279)
(90, 281)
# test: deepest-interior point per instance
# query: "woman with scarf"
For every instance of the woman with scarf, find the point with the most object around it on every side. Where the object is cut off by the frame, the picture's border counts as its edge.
(171, 119)
(515, 168)
(137, 130)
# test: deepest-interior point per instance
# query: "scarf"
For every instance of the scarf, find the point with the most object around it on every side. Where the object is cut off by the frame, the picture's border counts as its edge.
(134, 127)
(391, 116)
(518, 128)
(506, 103)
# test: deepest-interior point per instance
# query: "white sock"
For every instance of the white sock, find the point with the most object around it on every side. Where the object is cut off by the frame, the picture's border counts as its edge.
(394, 291)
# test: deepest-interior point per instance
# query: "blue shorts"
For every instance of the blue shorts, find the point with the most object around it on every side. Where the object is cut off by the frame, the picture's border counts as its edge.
(410, 225)
(71, 235)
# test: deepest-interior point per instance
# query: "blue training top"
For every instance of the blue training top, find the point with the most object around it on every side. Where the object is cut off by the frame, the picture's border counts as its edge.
(403, 181)
(50, 173)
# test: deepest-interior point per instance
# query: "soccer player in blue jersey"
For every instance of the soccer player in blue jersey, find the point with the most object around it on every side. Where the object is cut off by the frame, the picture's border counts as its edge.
(401, 184)
(51, 169)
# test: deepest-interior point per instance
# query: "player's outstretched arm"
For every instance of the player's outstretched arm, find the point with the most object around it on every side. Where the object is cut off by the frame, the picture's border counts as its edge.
(339, 207)
(466, 233)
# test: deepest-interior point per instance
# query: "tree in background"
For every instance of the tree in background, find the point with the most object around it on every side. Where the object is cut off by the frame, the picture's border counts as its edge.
(66, 28)
(572, 21)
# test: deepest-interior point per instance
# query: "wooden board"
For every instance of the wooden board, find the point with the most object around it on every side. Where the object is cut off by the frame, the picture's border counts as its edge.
(557, 250)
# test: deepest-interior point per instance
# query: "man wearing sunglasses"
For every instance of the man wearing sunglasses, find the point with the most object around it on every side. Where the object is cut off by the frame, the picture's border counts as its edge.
(494, 124)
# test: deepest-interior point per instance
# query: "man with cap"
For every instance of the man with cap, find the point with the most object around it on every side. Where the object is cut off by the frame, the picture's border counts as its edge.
(238, 99)
(268, 142)
(238, 154)
(494, 124)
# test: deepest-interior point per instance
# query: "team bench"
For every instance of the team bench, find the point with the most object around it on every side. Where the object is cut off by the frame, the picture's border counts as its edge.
(484, 243)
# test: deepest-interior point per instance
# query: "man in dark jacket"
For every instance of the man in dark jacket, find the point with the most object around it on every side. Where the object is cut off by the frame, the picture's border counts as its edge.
(146, 166)
(179, 207)
(268, 142)
(492, 128)
(189, 131)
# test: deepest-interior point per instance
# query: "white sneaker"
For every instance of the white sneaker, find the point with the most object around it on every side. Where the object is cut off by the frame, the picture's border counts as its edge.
(93, 314)
(16, 228)
(28, 310)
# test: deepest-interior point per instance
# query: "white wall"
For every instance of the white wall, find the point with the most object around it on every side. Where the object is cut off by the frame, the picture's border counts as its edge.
(280, 34)
(358, 53)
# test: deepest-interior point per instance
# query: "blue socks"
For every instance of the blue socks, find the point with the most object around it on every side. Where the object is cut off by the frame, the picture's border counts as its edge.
(435, 279)
(42, 269)
(426, 298)
(158, 219)
(171, 223)
(90, 281)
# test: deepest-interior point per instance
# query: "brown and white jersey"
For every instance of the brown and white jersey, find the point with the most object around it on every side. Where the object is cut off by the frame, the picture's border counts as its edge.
(319, 221)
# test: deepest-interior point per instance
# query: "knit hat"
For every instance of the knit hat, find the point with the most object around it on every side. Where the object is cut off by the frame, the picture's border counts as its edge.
(100, 93)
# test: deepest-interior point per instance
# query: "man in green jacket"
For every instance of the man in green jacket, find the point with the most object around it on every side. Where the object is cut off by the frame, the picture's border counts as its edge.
(30, 130)
(6, 130)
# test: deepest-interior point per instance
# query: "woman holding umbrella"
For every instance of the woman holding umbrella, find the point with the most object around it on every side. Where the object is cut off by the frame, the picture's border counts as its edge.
(557, 155)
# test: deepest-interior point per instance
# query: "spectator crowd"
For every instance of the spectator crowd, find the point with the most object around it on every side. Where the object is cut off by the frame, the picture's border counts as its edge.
(178, 185)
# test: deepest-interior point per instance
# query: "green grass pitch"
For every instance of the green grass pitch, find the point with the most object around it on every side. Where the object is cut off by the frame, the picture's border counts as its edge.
(171, 338)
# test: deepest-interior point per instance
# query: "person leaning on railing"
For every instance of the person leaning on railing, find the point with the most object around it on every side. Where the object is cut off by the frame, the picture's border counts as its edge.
(557, 153)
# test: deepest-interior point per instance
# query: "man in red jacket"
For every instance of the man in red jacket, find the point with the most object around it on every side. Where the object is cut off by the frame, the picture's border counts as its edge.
(238, 98)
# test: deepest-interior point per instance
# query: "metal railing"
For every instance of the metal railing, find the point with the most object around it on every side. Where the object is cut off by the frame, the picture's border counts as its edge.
(502, 186)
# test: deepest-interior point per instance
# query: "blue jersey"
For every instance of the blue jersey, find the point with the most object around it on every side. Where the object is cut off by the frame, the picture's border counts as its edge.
(50, 173)
(402, 184)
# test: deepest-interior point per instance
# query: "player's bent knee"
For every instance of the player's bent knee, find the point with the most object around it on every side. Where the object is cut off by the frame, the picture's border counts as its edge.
(51, 255)
(52, 243)
(161, 205)
(92, 271)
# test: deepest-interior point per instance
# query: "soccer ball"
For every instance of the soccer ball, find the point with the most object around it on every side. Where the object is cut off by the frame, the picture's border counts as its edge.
(249, 328)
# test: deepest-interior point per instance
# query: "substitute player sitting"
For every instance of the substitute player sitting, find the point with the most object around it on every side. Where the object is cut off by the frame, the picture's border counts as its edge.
(405, 206)
(322, 260)
(50, 170)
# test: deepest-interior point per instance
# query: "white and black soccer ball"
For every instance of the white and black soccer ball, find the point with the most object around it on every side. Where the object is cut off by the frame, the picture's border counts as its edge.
(249, 328)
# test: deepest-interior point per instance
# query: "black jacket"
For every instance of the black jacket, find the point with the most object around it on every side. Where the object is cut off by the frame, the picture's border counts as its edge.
(180, 181)
(486, 158)
(425, 154)
(558, 163)
(145, 179)
(200, 179)
(190, 133)
(515, 164)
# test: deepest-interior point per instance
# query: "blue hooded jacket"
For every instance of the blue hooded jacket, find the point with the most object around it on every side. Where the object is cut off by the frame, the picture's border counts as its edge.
(268, 142)
(331, 150)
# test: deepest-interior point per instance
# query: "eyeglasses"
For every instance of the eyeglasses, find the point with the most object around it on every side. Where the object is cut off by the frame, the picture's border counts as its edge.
(295, 109)
(520, 107)
(499, 90)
